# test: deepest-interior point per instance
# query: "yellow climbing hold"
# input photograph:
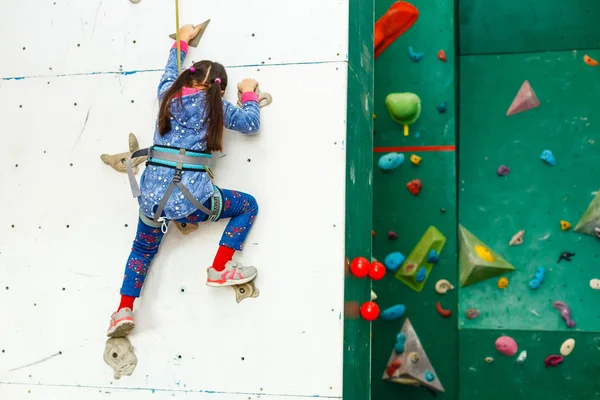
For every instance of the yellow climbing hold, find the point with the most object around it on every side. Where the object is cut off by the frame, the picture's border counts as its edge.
(415, 159)
(502, 283)
(484, 253)
(564, 225)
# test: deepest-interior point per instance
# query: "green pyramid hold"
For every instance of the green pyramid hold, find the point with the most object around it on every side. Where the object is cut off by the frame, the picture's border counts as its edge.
(591, 218)
(477, 261)
(409, 270)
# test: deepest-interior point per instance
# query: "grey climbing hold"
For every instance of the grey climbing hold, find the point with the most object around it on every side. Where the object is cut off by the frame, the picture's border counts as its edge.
(245, 291)
(119, 355)
(522, 357)
(196, 40)
(472, 313)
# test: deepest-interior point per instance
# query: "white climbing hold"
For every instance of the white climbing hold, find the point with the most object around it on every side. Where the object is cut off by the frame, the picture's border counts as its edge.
(522, 357)
(442, 286)
(373, 296)
(595, 284)
(118, 353)
(135, 1)
(567, 347)
(489, 360)
(517, 239)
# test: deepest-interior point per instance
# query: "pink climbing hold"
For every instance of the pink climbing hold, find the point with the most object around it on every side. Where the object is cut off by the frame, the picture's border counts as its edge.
(506, 345)
(525, 100)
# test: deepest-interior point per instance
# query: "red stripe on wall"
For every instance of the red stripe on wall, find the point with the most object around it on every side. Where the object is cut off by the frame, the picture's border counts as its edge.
(415, 149)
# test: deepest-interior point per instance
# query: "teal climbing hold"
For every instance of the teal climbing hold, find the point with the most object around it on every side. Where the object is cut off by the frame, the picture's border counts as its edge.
(416, 57)
(393, 312)
(393, 261)
(390, 161)
(433, 257)
(548, 157)
(442, 107)
(400, 341)
(429, 377)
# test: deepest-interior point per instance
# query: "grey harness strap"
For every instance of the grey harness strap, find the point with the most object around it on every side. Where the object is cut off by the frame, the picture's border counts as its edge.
(180, 159)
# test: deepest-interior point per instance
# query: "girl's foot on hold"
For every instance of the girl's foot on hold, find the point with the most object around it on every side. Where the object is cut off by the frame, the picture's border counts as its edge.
(121, 323)
(233, 274)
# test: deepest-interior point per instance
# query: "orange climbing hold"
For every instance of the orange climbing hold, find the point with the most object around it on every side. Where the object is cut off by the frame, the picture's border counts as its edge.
(442, 55)
(590, 61)
(564, 225)
(441, 311)
(397, 20)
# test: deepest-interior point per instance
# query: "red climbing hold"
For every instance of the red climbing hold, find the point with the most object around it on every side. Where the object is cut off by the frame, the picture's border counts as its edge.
(442, 55)
(553, 360)
(397, 20)
(377, 271)
(414, 186)
(360, 267)
(369, 311)
(391, 369)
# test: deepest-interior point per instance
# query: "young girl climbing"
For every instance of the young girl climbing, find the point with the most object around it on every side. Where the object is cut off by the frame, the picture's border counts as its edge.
(189, 128)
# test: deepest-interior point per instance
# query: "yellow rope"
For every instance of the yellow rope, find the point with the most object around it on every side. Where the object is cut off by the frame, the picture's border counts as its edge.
(177, 36)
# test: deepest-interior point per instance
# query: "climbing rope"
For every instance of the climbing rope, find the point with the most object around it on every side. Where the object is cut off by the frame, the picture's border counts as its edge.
(177, 35)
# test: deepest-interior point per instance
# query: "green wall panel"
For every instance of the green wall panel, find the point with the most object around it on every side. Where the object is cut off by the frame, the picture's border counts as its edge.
(575, 379)
(534, 196)
(517, 26)
(395, 209)
(359, 197)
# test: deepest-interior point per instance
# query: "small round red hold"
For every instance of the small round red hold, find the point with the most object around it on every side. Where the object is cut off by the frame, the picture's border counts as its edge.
(414, 186)
(360, 267)
(369, 311)
(377, 271)
(442, 55)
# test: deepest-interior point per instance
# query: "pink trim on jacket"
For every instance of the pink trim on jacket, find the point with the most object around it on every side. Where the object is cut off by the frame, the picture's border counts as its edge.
(249, 96)
(182, 45)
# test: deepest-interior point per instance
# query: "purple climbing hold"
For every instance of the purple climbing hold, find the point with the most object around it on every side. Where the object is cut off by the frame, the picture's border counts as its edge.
(503, 170)
(392, 235)
(565, 312)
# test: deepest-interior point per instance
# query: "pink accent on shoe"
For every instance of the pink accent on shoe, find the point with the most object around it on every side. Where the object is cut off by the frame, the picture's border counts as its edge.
(240, 276)
(249, 96)
(182, 45)
(123, 319)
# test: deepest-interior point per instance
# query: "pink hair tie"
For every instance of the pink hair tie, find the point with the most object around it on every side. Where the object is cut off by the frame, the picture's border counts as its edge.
(192, 69)
(218, 80)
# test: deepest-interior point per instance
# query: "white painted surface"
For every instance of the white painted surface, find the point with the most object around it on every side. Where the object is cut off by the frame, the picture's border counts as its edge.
(290, 337)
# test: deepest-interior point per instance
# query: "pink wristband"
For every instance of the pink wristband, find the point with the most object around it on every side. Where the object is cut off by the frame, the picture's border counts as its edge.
(182, 45)
(249, 96)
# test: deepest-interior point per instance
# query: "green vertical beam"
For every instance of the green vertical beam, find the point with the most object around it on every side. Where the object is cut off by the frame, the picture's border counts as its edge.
(359, 197)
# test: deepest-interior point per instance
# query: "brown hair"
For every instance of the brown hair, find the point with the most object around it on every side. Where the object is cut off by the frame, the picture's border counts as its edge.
(205, 73)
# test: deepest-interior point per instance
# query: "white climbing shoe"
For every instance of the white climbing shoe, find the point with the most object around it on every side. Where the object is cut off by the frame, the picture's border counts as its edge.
(233, 274)
(121, 323)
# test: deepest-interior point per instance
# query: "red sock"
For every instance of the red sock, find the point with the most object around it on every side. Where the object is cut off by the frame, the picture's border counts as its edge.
(126, 302)
(224, 254)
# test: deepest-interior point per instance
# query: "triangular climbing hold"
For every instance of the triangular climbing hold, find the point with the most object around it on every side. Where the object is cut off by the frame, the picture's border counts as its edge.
(411, 366)
(525, 100)
(564, 225)
(477, 261)
(590, 219)
(417, 266)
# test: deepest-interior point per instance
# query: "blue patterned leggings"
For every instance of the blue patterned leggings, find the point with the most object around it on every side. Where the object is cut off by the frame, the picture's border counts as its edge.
(240, 207)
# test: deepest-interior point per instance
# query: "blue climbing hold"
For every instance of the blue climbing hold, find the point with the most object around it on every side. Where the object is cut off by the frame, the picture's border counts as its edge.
(400, 340)
(390, 161)
(421, 275)
(393, 312)
(548, 157)
(442, 107)
(393, 261)
(416, 57)
(433, 257)
(429, 376)
(538, 279)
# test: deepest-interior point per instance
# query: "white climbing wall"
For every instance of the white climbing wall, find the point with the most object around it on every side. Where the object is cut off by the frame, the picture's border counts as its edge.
(76, 77)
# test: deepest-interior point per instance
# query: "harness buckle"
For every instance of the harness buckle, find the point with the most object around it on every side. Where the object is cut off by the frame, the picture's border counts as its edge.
(177, 176)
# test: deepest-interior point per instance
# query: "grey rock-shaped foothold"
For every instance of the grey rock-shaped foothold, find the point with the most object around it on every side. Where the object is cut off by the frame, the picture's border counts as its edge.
(119, 355)
(503, 170)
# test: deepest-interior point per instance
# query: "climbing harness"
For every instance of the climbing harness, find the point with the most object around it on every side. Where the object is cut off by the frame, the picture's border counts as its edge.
(180, 160)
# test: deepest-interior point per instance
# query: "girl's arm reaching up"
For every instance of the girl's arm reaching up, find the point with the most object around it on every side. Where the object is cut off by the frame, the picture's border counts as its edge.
(247, 118)
(186, 33)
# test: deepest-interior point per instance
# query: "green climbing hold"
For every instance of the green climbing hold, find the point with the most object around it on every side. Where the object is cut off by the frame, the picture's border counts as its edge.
(416, 268)
(404, 108)
(591, 218)
(477, 261)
